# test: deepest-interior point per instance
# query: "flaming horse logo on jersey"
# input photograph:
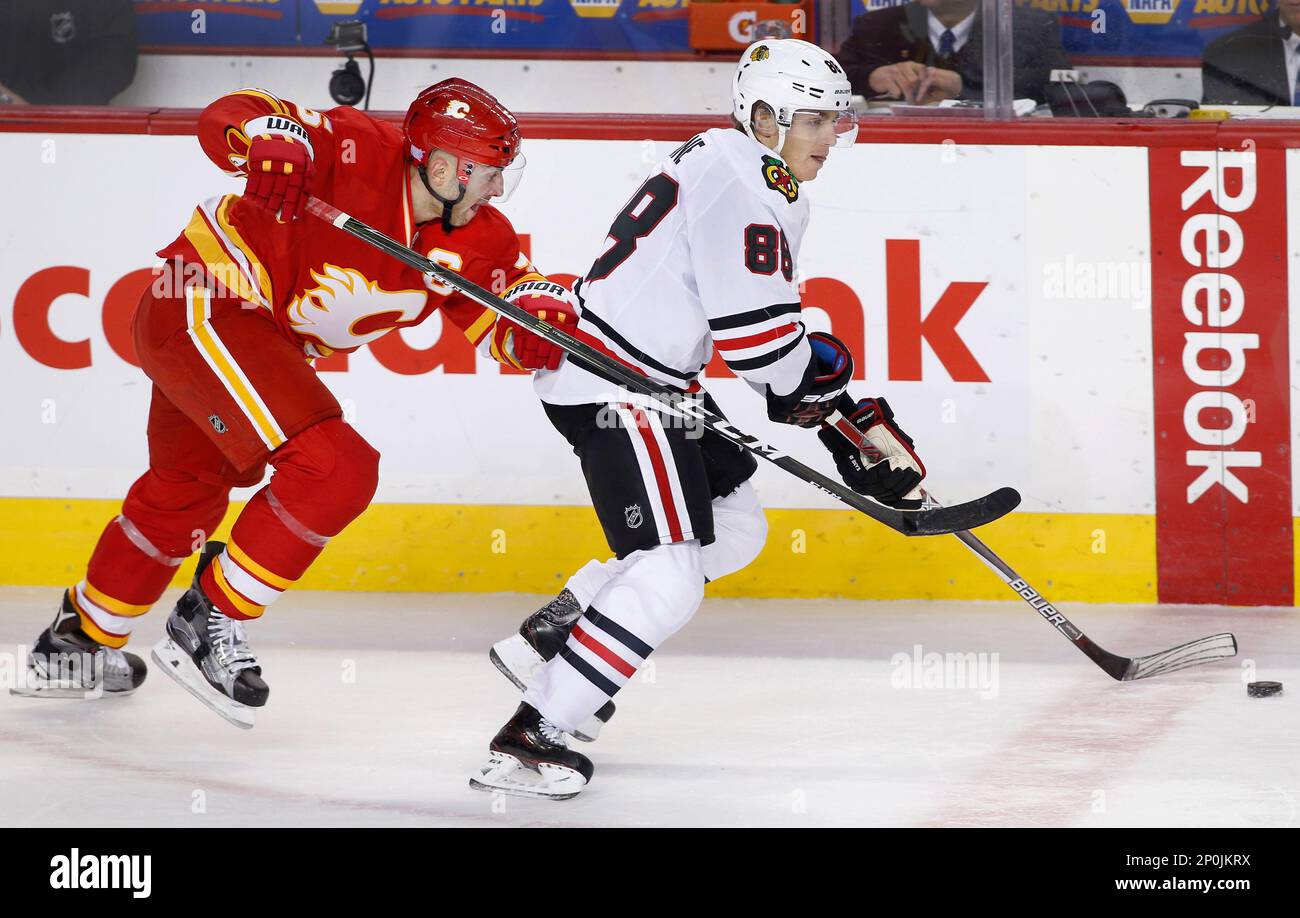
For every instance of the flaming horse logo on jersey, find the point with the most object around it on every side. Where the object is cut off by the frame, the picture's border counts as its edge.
(346, 309)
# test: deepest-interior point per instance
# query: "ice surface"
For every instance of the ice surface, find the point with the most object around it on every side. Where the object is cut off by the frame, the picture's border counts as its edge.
(760, 712)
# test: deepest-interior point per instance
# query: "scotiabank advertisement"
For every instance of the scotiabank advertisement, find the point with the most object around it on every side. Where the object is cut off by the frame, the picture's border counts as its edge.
(1102, 327)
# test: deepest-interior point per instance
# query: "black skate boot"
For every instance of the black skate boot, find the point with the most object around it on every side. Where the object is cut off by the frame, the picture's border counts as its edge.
(530, 758)
(207, 652)
(66, 662)
(540, 637)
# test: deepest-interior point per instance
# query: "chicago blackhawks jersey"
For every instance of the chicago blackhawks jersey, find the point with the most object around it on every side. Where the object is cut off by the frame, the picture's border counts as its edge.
(702, 256)
(325, 289)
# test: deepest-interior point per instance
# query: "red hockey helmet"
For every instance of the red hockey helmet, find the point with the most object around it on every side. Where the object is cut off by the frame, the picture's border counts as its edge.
(464, 119)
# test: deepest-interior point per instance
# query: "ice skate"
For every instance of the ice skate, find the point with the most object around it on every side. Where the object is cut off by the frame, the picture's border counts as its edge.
(207, 652)
(65, 662)
(529, 757)
(540, 637)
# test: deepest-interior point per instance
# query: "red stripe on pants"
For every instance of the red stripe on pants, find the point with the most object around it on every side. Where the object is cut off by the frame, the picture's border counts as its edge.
(661, 473)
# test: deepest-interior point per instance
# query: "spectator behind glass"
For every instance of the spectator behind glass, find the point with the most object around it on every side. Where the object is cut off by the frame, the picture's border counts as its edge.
(66, 52)
(930, 50)
(1257, 64)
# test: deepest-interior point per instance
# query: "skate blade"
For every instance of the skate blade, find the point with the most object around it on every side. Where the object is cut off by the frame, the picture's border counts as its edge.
(505, 774)
(53, 690)
(516, 659)
(177, 664)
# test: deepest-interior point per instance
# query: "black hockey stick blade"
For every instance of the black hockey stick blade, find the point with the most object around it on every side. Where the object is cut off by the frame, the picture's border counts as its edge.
(959, 517)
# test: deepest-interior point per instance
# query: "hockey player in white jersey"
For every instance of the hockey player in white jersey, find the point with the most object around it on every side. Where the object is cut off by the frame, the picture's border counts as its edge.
(701, 257)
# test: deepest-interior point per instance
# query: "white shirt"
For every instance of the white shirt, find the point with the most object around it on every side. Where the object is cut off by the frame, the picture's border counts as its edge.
(960, 32)
(1291, 48)
(702, 255)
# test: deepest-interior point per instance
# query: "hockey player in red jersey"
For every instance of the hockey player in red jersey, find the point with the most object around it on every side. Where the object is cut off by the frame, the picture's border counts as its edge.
(701, 258)
(252, 293)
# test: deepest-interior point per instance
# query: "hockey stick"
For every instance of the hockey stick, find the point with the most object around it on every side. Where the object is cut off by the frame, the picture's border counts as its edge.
(1124, 669)
(930, 519)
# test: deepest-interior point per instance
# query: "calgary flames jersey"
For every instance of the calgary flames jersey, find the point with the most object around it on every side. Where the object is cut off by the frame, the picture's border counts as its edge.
(325, 289)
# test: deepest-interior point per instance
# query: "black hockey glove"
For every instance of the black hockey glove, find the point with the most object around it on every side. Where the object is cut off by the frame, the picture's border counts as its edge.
(830, 368)
(873, 455)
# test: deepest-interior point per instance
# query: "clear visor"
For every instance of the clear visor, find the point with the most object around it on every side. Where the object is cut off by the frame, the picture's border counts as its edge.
(494, 183)
(833, 128)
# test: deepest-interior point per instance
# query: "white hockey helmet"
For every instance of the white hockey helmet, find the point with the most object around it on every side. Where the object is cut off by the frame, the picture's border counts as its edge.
(790, 75)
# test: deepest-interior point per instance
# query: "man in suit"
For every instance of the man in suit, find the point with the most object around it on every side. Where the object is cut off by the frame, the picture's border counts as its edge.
(929, 50)
(1257, 64)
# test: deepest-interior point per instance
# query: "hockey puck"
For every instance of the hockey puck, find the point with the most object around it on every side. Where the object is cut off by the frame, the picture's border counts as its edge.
(1263, 689)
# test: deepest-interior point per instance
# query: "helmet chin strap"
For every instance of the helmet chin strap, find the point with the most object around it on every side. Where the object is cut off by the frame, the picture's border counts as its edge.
(447, 205)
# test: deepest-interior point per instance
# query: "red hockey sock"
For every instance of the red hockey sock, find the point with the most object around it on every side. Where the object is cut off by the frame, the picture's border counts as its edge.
(139, 551)
(324, 478)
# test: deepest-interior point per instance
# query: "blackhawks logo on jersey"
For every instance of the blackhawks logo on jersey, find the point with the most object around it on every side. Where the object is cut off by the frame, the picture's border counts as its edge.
(779, 178)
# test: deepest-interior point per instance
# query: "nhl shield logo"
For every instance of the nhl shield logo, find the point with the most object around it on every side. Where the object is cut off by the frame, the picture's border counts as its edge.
(217, 424)
(63, 28)
(633, 515)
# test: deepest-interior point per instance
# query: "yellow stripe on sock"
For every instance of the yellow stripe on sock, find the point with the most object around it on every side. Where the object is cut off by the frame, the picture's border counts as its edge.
(116, 606)
(246, 608)
(243, 560)
(99, 635)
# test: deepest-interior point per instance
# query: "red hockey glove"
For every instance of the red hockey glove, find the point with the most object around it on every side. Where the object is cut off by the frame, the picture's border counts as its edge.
(278, 169)
(548, 301)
